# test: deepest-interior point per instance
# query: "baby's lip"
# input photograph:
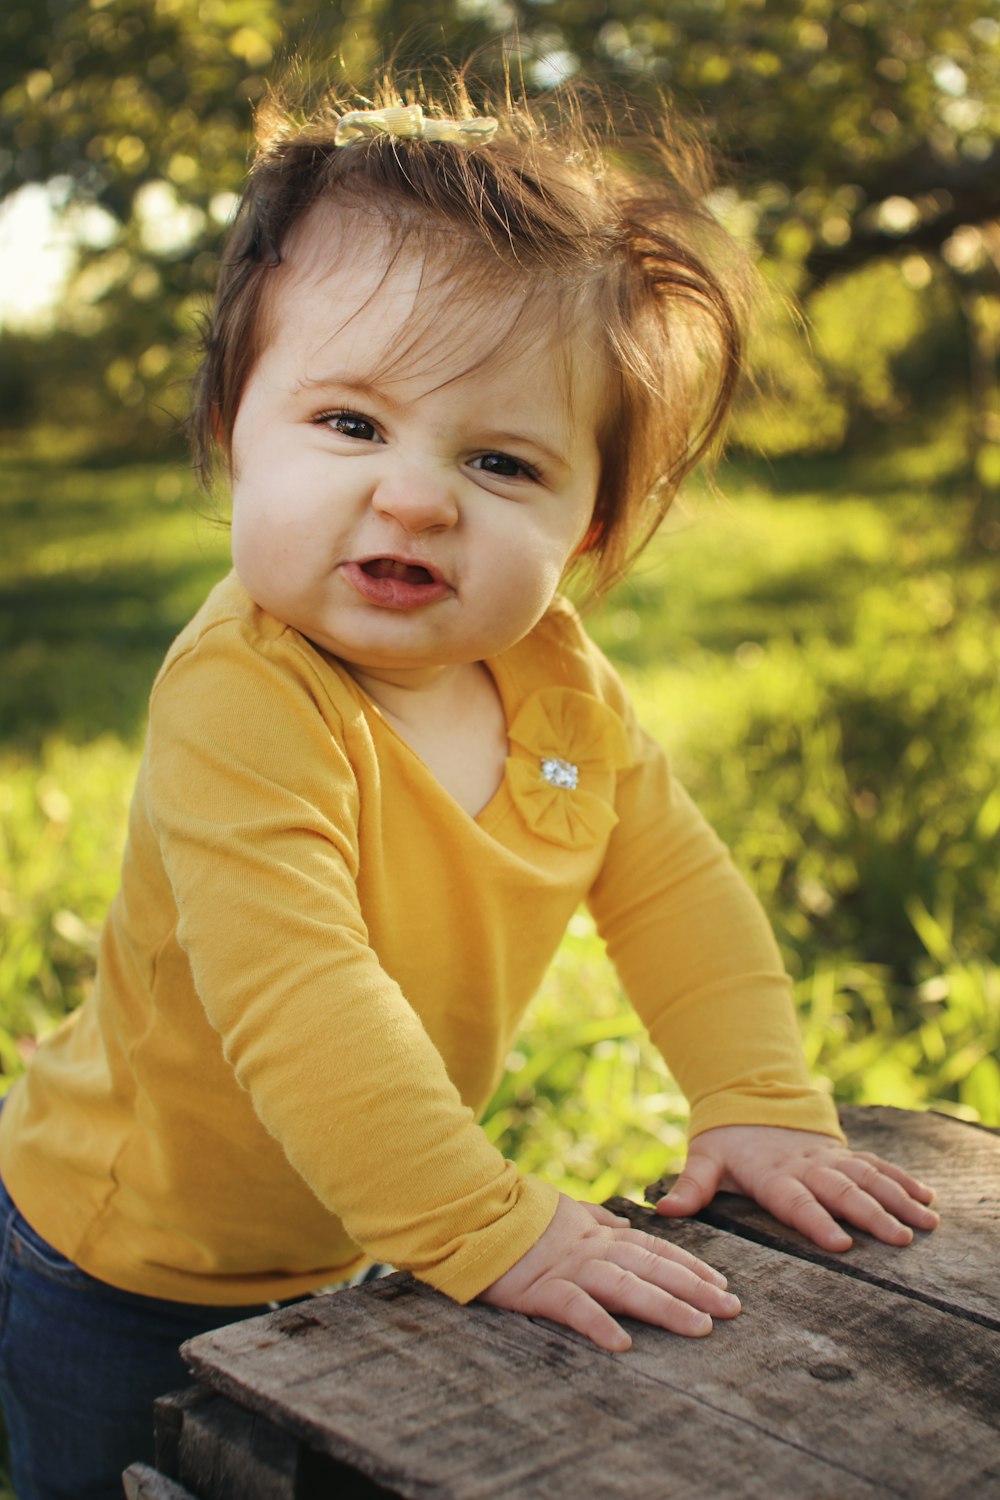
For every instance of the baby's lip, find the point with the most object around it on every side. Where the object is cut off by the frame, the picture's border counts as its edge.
(388, 581)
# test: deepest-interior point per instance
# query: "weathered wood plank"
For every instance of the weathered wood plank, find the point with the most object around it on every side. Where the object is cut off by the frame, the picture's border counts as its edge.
(955, 1267)
(824, 1387)
(168, 1420)
(431, 1400)
(140, 1482)
(224, 1451)
(230, 1453)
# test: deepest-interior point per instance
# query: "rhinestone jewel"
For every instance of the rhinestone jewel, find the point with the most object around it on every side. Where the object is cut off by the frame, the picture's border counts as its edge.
(561, 773)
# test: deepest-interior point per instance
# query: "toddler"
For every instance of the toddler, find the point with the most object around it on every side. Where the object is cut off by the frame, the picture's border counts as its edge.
(451, 358)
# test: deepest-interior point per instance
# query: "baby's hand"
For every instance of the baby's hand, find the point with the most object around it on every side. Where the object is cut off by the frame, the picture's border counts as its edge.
(589, 1264)
(797, 1176)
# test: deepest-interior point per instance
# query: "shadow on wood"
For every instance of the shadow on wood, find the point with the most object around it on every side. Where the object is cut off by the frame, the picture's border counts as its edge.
(209, 1446)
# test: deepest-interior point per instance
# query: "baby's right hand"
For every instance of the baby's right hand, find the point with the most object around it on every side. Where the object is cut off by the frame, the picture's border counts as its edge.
(589, 1264)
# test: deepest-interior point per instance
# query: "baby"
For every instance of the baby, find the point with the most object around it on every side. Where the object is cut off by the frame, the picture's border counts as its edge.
(452, 357)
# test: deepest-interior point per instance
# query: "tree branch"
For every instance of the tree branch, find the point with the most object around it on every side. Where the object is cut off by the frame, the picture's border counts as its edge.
(946, 195)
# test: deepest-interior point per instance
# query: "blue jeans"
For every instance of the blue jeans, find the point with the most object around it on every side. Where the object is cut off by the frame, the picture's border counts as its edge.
(80, 1365)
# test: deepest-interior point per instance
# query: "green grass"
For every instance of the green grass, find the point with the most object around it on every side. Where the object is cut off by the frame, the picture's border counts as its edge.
(818, 653)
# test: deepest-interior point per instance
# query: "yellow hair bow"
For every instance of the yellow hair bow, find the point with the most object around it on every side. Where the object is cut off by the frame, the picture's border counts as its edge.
(408, 122)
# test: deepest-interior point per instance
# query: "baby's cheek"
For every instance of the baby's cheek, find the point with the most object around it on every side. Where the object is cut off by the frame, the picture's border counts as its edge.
(257, 553)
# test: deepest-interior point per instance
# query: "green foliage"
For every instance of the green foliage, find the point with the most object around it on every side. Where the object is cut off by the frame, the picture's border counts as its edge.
(100, 570)
(820, 102)
(884, 331)
(867, 725)
(853, 133)
(63, 815)
(587, 1103)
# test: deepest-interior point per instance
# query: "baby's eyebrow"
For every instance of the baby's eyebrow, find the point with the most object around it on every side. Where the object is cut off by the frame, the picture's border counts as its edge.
(338, 380)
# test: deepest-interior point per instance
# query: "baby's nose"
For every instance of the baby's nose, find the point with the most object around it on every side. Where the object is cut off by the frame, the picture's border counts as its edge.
(418, 502)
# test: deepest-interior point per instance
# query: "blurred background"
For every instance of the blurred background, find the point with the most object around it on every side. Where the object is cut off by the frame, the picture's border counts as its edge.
(816, 639)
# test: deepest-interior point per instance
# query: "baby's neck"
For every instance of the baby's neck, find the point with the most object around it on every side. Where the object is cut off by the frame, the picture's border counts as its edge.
(455, 722)
(416, 695)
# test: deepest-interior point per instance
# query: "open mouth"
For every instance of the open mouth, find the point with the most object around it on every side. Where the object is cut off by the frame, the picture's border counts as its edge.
(393, 583)
(389, 567)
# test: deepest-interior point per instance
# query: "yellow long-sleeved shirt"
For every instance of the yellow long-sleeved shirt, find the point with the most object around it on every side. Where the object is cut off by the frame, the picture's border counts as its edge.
(317, 962)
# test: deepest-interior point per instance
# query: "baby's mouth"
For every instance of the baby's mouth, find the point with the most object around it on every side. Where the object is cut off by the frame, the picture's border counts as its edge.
(390, 567)
(395, 583)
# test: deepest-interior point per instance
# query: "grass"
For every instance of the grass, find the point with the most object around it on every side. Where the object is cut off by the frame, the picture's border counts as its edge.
(818, 653)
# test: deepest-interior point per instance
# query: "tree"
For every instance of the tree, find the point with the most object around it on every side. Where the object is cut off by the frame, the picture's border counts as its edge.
(850, 132)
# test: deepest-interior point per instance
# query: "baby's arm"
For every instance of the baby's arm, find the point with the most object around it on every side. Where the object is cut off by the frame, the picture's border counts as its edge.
(256, 809)
(589, 1264)
(803, 1179)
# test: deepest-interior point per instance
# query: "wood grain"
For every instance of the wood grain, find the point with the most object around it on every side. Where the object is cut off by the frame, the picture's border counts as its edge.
(840, 1369)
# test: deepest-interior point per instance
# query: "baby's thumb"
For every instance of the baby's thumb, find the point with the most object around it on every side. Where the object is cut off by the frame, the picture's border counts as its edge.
(696, 1186)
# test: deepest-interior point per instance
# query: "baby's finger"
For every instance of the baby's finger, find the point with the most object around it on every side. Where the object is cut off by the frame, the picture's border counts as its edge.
(791, 1202)
(668, 1251)
(916, 1189)
(868, 1175)
(672, 1277)
(843, 1197)
(618, 1290)
(696, 1185)
(568, 1303)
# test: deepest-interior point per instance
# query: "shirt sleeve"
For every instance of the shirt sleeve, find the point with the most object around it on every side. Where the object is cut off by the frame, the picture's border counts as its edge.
(696, 955)
(256, 808)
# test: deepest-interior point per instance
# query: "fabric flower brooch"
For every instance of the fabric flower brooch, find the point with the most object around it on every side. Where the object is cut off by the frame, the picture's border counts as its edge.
(564, 748)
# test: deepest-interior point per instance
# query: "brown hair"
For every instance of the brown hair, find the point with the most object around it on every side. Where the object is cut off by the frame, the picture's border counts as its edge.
(547, 201)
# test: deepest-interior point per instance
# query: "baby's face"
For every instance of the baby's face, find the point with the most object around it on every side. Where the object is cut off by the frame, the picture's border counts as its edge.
(407, 492)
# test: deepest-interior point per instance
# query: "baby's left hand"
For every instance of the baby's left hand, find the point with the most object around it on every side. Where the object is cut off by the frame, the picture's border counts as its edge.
(798, 1176)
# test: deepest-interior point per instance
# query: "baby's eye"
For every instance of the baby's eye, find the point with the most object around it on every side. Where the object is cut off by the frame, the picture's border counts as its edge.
(350, 424)
(503, 466)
